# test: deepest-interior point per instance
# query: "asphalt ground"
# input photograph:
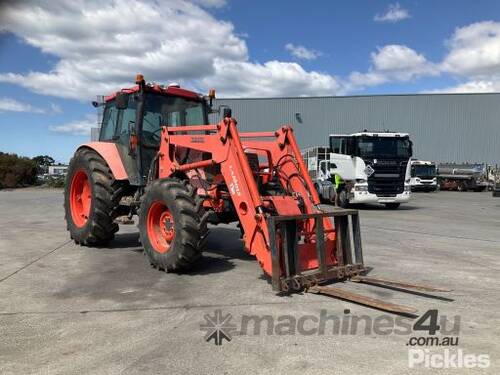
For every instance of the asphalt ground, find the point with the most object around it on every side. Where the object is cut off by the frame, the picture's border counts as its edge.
(67, 309)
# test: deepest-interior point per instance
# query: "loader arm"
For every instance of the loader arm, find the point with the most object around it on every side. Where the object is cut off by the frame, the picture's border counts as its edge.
(290, 243)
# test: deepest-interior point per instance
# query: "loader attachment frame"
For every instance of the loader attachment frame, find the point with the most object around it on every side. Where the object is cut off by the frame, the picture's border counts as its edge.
(348, 252)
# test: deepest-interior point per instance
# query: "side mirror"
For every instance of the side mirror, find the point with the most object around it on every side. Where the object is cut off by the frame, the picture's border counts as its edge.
(227, 112)
(121, 100)
(410, 149)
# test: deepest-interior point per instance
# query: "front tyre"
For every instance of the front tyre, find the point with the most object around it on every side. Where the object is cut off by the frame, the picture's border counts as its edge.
(172, 224)
(341, 199)
(90, 199)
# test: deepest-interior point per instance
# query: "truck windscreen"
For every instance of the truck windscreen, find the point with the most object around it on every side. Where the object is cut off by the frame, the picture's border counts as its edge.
(423, 171)
(383, 147)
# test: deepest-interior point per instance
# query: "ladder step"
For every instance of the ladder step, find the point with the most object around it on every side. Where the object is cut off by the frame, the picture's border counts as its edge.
(397, 284)
(363, 300)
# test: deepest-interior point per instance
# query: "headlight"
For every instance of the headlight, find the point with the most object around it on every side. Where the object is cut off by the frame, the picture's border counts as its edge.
(361, 187)
(407, 181)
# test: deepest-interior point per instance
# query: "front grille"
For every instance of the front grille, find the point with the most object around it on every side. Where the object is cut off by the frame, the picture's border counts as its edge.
(388, 178)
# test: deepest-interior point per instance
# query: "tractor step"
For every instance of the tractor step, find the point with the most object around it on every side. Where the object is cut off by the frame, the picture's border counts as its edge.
(397, 284)
(362, 300)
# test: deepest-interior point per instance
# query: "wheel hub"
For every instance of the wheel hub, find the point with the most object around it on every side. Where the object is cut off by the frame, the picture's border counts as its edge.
(160, 227)
(80, 198)
(167, 227)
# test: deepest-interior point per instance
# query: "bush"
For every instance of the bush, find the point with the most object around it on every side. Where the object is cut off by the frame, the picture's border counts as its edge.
(16, 171)
(55, 181)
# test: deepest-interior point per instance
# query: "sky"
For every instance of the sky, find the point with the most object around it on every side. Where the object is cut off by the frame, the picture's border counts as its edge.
(56, 56)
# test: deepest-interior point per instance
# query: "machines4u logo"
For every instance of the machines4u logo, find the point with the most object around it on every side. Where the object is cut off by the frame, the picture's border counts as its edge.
(218, 327)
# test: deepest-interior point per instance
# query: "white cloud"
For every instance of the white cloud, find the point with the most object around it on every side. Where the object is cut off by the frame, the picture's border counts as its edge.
(473, 58)
(401, 62)
(469, 87)
(274, 78)
(78, 127)
(11, 105)
(393, 63)
(102, 45)
(394, 13)
(474, 50)
(302, 52)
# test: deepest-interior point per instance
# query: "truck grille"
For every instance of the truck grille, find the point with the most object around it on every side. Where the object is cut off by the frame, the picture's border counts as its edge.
(388, 178)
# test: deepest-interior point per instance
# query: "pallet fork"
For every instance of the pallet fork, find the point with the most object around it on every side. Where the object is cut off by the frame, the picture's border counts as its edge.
(350, 263)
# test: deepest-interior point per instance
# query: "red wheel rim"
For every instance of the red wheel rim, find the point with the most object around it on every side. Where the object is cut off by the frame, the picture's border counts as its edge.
(160, 227)
(80, 198)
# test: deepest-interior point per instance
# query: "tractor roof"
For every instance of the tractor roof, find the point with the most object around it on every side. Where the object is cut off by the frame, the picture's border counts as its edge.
(165, 90)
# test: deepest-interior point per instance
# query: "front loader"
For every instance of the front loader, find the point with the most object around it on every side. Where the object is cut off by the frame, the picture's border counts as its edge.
(157, 159)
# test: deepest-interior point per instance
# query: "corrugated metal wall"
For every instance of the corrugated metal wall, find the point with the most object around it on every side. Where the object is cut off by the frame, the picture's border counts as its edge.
(444, 128)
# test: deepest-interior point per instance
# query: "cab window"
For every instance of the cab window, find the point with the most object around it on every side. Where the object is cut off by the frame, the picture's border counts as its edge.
(126, 122)
(338, 145)
(109, 122)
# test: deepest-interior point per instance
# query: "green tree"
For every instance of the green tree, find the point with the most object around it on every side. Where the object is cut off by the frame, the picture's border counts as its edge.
(43, 162)
(16, 171)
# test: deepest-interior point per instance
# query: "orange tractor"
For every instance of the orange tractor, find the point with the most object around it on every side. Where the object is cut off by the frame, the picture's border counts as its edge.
(156, 158)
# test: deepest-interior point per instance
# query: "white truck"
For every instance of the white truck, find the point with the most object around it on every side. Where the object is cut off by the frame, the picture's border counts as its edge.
(423, 176)
(317, 160)
(371, 167)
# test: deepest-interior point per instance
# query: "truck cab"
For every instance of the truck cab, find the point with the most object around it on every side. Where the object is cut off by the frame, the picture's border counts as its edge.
(423, 176)
(371, 167)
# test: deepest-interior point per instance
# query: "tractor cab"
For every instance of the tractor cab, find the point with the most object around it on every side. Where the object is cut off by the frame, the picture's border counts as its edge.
(133, 118)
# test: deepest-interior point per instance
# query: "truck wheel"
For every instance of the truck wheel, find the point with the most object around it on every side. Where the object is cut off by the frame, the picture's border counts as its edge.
(462, 186)
(392, 206)
(172, 224)
(341, 199)
(90, 199)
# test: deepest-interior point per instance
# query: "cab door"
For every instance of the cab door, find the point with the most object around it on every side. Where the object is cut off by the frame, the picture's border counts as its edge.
(123, 138)
(341, 162)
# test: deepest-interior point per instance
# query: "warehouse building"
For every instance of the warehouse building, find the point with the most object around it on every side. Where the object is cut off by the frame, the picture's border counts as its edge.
(443, 127)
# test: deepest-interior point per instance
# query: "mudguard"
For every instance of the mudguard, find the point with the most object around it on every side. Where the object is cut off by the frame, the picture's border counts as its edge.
(109, 152)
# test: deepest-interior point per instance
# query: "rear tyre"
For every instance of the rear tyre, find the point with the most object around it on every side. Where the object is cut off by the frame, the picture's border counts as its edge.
(172, 224)
(90, 198)
(392, 206)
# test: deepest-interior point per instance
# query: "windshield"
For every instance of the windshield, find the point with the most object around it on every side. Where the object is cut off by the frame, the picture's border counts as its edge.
(384, 147)
(423, 171)
(172, 111)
